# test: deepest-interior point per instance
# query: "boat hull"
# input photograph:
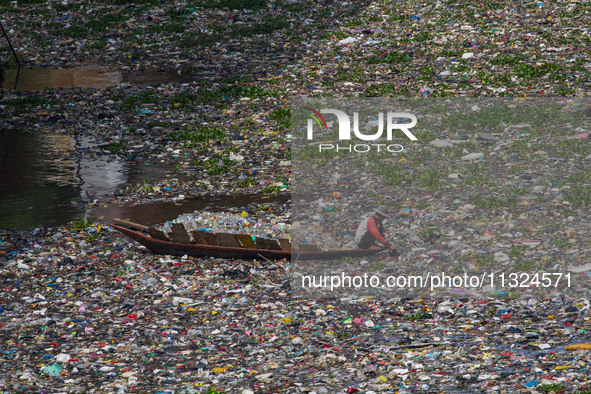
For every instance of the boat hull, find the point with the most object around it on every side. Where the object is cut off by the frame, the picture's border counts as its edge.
(198, 250)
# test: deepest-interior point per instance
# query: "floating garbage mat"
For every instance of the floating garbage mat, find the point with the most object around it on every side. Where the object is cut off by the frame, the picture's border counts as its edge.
(84, 309)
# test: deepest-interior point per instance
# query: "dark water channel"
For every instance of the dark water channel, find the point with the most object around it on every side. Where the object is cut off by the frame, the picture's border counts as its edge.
(37, 181)
(45, 181)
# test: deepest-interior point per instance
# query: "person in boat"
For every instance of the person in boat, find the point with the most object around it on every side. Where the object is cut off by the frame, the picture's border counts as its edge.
(371, 230)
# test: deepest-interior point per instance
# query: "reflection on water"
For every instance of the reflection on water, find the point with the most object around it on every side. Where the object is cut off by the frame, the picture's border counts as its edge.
(37, 183)
(97, 175)
(45, 180)
(84, 76)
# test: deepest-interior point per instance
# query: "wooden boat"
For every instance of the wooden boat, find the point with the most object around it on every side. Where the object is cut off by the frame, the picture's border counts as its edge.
(231, 246)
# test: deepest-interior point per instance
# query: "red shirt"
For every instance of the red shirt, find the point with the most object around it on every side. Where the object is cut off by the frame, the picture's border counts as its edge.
(373, 229)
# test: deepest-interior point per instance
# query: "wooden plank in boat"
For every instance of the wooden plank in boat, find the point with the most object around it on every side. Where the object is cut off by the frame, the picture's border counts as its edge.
(246, 241)
(267, 244)
(285, 244)
(180, 234)
(228, 240)
(307, 248)
(158, 234)
(204, 238)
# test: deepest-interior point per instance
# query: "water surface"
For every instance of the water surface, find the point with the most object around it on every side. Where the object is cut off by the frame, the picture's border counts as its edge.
(46, 179)
(85, 76)
(37, 180)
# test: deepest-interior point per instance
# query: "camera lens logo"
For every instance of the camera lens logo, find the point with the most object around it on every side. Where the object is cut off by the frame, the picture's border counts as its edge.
(318, 118)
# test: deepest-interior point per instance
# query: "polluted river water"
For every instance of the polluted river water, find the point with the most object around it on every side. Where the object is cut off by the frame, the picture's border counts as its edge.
(46, 180)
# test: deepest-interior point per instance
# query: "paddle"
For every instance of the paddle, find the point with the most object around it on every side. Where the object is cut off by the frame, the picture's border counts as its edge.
(131, 224)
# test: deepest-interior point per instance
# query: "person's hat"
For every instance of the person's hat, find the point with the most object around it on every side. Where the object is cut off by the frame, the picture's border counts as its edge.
(383, 211)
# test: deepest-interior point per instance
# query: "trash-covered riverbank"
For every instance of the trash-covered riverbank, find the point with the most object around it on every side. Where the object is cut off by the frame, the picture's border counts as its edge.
(89, 310)
(83, 309)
